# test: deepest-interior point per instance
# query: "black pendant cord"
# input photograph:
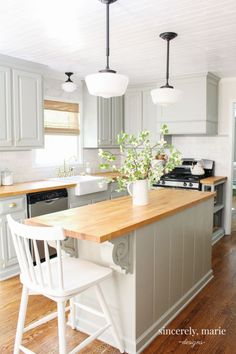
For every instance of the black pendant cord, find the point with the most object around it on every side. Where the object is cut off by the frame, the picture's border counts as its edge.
(167, 63)
(167, 66)
(108, 35)
(107, 69)
(168, 36)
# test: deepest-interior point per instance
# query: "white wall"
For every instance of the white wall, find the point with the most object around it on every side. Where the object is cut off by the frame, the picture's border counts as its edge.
(218, 148)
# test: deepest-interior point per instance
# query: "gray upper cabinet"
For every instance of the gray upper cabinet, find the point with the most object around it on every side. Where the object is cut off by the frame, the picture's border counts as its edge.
(6, 137)
(195, 114)
(27, 109)
(104, 122)
(103, 119)
(150, 115)
(133, 112)
(117, 118)
(141, 113)
(21, 109)
(197, 111)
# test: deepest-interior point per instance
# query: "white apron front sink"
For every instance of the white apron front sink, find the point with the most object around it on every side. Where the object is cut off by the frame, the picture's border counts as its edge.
(85, 184)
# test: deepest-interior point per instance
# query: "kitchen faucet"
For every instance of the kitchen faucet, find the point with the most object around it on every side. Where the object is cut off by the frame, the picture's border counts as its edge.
(66, 170)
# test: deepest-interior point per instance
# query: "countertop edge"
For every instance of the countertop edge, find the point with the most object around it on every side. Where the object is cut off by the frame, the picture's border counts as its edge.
(213, 180)
(33, 190)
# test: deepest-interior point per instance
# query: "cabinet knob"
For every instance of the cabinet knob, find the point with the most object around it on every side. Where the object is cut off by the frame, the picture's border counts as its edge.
(12, 205)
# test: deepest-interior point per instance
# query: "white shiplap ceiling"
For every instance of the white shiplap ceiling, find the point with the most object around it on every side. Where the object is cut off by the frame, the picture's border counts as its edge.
(70, 35)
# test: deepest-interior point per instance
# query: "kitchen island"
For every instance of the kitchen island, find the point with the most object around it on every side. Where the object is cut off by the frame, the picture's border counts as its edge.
(160, 253)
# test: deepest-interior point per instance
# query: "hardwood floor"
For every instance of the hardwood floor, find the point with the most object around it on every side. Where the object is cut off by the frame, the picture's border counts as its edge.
(214, 307)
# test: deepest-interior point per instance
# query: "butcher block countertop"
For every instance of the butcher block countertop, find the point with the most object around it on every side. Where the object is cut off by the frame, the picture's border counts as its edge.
(110, 219)
(32, 187)
(213, 180)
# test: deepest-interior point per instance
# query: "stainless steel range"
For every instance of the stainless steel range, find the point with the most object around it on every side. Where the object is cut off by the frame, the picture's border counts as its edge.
(182, 177)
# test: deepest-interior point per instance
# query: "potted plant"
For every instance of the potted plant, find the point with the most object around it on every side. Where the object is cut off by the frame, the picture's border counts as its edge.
(142, 163)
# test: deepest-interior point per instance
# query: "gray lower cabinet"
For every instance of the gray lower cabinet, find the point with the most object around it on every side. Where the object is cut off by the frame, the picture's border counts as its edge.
(111, 193)
(8, 260)
(78, 201)
(21, 109)
(103, 119)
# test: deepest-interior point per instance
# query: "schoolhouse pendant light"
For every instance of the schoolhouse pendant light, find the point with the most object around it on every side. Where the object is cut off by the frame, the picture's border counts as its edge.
(107, 83)
(69, 85)
(166, 94)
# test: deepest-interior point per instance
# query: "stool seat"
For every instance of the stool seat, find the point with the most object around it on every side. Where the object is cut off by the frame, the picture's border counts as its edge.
(78, 274)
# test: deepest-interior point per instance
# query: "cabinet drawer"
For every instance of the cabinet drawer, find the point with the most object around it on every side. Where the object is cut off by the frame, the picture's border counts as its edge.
(12, 205)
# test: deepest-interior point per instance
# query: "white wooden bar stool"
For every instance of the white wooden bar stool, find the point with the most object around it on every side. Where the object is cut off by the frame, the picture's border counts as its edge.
(59, 279)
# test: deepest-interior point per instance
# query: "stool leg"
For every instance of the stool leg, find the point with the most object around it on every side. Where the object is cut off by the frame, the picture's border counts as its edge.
(109, 318)
(21, 319)
(72, 313)
(61, 327)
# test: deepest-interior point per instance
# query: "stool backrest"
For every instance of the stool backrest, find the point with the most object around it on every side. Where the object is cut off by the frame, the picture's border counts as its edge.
(40, 274)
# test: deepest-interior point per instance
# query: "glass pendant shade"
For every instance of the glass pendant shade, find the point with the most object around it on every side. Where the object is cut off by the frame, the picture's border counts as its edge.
(165, 96)
(106, 84)
(69, 86)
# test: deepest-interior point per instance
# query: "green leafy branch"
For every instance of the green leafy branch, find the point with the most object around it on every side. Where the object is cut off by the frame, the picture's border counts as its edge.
(141, 159)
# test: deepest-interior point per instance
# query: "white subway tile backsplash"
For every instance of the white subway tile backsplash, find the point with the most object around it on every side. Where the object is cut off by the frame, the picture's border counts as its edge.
(206, 147)
(23, 166)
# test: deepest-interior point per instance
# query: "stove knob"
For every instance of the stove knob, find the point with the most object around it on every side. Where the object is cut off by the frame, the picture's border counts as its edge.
(190, 184)
(163, 182)
(185, 184)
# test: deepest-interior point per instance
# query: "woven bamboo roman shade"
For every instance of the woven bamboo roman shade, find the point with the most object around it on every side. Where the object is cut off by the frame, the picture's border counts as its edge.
(61, 118)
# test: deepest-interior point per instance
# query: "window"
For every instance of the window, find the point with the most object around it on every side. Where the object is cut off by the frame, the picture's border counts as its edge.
(61, 123)
(61, 118)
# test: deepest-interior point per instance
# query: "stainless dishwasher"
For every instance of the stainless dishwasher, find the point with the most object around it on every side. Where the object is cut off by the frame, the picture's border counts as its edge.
(47, 202)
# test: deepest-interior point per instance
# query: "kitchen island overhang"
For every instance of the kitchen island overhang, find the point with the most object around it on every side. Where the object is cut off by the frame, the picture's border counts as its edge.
(107, 220)
(161, 254)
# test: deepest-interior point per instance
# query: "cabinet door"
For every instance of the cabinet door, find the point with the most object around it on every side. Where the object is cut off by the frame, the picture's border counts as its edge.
(8, 253)
(133, 112)
(117, 118)
(80, 202)
(100, 198)
(115, 195)
(150, 121)
(104, 122)
(5, 107)
(27, 109)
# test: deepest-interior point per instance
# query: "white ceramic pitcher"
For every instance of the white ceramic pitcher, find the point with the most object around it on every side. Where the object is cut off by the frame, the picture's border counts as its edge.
(139, 191)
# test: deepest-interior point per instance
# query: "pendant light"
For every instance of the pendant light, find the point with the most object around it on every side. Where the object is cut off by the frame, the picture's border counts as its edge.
(69, 85)
(107, 83)
(166, 94)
